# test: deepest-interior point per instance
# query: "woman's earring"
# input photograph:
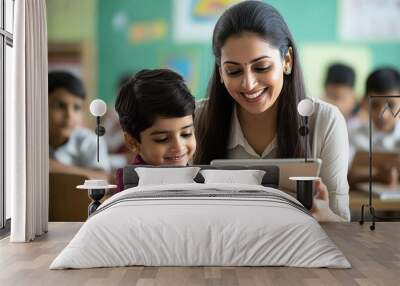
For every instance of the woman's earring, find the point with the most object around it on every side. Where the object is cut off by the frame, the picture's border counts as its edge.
(222, 80)
(288, 71)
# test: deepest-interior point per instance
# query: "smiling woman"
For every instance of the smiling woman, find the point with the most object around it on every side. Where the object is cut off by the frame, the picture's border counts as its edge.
(251, 108)
(254, 83)
(257, 73)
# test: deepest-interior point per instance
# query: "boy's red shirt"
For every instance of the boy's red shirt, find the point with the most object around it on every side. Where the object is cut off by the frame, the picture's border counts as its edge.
(120, 175)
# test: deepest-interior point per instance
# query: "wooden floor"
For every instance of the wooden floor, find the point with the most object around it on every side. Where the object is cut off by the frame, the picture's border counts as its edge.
(374, 255)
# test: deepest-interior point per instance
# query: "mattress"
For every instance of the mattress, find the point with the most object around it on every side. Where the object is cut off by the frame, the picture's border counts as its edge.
(201, 225)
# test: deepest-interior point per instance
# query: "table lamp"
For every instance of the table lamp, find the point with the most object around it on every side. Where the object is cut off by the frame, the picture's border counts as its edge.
(305, 185)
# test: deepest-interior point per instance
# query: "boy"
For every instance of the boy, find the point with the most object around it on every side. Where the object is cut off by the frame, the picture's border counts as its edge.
(73, 149)
(155, 110)
(385, 126)
(339, 88)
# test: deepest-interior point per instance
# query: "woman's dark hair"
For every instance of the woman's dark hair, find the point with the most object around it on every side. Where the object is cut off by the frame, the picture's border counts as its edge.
(67, 81)
(214, 121)
(340, 74)
(149, 95)
(383, 80)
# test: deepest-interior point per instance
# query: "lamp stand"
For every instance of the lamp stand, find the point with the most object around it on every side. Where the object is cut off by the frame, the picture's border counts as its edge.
(304, 130)
(100, 131)
(369, 205)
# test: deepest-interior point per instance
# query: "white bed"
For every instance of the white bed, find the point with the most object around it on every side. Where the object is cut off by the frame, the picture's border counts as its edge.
(201, 224)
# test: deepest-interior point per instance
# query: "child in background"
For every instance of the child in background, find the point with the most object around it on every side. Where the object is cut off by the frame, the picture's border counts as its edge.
(385, 126)
(339, 88)
(155, 110)
(73, 149)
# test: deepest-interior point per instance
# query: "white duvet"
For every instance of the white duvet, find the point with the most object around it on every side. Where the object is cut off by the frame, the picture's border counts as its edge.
(234, 229)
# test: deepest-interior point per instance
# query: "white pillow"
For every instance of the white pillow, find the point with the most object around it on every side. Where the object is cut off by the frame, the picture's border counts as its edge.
(248, 177)
(163, 176)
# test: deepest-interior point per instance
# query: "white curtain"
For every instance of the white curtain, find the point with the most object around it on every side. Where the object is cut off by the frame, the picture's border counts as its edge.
(27, 124)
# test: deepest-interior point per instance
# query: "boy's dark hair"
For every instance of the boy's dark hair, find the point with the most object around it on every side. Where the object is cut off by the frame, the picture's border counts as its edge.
(340, 74)
(151, 94)
(124, 78)
(383, 80)
(67, 81)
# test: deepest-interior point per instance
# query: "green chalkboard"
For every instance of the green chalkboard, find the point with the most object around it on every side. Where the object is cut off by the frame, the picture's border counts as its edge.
(132, 35)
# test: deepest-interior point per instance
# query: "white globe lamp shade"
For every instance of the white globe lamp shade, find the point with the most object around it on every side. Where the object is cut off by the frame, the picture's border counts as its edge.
(98, 107)
(305, 107)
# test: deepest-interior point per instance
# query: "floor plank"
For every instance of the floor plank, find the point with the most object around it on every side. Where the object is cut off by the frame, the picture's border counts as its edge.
(374, 255)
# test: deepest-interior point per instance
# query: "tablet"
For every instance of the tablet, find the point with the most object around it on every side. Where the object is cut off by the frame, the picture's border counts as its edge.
(287, 168)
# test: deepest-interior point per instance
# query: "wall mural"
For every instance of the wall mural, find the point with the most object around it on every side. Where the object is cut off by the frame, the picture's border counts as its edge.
(194, 20)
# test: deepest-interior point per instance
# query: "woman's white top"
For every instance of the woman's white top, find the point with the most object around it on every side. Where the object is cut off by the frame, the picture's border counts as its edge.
(328, 141)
